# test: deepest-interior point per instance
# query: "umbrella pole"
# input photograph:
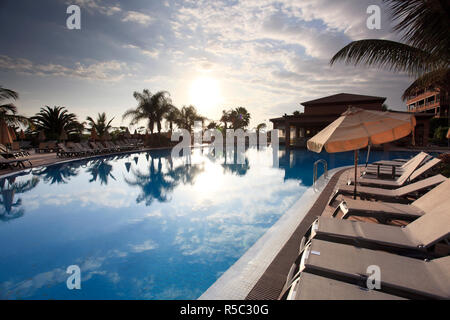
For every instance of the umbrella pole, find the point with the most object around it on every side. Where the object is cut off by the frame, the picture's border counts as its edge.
(356, 173)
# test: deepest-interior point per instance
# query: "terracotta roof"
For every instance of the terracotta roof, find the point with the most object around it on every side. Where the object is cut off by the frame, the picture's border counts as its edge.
(344, 98)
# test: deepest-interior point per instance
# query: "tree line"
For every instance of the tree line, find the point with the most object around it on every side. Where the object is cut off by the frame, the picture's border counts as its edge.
(153, 109)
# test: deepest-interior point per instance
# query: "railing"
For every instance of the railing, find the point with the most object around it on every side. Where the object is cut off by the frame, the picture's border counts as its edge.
(325, 167)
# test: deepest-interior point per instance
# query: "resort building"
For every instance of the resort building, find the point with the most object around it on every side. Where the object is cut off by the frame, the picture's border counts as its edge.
(318, 114)
(321, 112)
(430, 102)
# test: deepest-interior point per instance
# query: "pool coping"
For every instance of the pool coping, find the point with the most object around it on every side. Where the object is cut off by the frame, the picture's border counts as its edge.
(238, 281)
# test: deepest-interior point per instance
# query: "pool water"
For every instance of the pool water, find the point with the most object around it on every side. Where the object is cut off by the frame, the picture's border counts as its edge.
(144, 225)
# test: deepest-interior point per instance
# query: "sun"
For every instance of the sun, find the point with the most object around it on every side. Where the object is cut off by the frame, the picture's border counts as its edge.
(205, 93)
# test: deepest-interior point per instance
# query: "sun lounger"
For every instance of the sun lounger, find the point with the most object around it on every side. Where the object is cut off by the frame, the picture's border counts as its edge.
(65, 151)
(7, 153)
(309, 286)
(420, 239)
(423, 170)
(112, 146)
(400, 276)
(408, 171)
(389, 195)
(82, 149)
(399, 162)
(393, 168)
(124, 145)
(15, 148)
(88, 147)
(99, 147)
(13, 163)
(384, 211)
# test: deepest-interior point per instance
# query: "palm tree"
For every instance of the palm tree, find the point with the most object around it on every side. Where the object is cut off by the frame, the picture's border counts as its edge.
(172, 116)
(225, 119)
(151, 107)
(213, 125)
(101, 125)
(54, 120)
(261, 126)
(8, 111)
(188, 116)
(240, 118)
(425, 53)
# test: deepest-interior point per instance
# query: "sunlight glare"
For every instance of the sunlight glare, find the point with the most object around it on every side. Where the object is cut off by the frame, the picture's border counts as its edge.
(205, 94)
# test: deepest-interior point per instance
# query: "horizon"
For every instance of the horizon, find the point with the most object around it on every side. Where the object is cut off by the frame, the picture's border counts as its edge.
(266, 56)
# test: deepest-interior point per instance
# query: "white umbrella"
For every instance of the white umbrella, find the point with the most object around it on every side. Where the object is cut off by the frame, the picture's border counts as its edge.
(357, 128)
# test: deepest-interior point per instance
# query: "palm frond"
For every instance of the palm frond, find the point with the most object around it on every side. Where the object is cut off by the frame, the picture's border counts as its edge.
(423, 24)
(8, 94)
(391, 55)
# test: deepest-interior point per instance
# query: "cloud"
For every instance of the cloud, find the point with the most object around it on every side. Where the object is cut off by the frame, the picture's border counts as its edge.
(138, 17)
(105, 70)
(96, 6)
(145, 246)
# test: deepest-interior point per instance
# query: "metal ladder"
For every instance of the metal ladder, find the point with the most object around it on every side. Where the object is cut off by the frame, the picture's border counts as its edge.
(325, 166)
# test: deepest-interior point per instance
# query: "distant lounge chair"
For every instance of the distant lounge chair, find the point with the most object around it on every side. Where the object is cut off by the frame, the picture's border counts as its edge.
(401, 276)
(411, 173)
(112, 146)
(7, 153)
(99, 147)
(46, 147)
(64, 151)
(13, 163)
(384, 211)
(394, 195)
(418, 239)
(15, 147)
(82, 149)
(89, 148)
(309, 286)
(125, 145)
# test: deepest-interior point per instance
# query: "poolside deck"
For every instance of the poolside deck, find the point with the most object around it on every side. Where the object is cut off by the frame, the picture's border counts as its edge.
(269, 286)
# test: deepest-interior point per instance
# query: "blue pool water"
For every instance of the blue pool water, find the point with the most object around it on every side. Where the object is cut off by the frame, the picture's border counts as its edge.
(144, 225)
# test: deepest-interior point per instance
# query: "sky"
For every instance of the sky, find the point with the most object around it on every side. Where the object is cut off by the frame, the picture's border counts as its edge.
(267, 56)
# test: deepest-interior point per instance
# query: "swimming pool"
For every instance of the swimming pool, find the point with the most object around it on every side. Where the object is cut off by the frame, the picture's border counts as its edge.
(144, 225)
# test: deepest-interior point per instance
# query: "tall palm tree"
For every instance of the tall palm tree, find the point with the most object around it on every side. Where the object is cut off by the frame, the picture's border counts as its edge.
(225, 119)
(54, 120)
(101, 125)
(172, 116)
(8, 111)
(151, 107)
(260, 127)
(240, 118)
(188, 116)
(213, 125)
(425, 53)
